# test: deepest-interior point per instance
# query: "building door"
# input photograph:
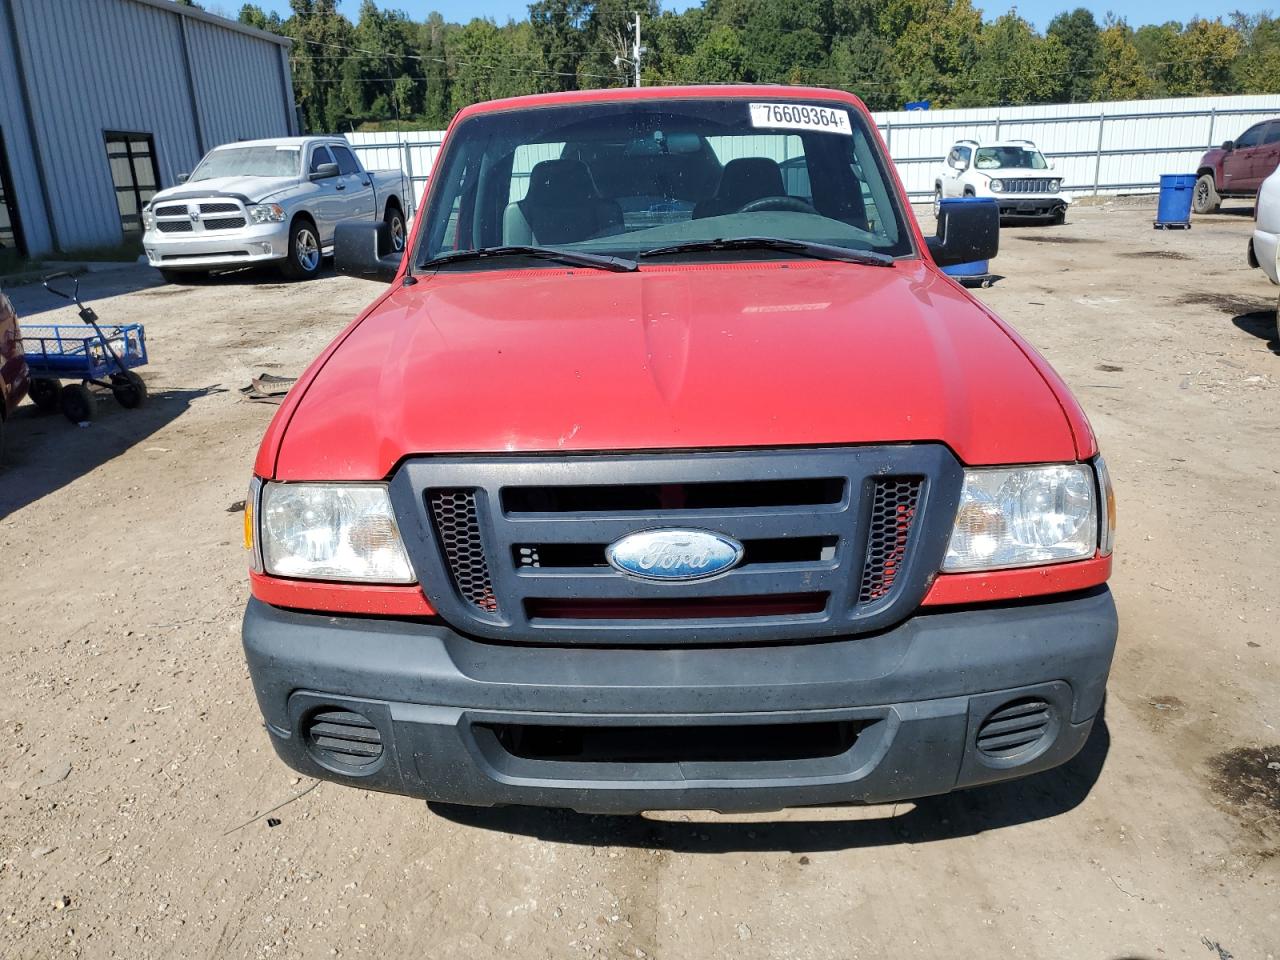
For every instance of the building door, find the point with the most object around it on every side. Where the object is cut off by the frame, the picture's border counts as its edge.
(132, 157)
(12, 246)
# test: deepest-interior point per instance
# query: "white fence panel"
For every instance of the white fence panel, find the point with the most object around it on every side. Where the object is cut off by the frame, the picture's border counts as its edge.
(1098, 148)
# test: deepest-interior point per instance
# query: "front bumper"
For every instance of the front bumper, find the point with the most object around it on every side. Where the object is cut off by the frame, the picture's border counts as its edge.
(255, 243)
(916, 694)
(1021, 205)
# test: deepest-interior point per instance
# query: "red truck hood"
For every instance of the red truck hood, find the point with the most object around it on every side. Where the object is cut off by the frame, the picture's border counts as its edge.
(684, 356)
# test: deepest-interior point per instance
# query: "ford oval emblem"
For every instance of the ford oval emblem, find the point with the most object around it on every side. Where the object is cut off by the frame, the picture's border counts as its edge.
(674, 554)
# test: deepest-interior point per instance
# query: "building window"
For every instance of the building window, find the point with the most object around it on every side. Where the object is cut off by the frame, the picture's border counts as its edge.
(133, 171)
(11, 245)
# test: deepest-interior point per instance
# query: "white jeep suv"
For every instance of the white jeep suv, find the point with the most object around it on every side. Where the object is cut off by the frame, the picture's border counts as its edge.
(1013, 172)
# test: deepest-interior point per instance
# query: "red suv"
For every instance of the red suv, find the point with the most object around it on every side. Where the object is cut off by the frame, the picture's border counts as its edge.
(1238, 167)
(13, 365)
(650, 482)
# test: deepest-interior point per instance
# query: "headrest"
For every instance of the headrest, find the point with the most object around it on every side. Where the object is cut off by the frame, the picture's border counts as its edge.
(561, 182)
(751, 177)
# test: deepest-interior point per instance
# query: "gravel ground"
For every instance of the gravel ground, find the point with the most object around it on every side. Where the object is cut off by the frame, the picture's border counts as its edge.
(133, 763)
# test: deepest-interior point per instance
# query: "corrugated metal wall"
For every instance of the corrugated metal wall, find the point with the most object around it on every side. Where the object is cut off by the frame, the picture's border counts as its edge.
(118, 65)
(1106, 148)
(17, 142)
(239, 83)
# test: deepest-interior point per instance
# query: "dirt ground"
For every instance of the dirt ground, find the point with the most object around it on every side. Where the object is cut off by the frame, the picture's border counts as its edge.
(133, 762)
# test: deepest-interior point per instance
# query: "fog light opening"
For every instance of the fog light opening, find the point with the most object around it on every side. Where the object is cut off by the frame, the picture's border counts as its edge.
(342, 739)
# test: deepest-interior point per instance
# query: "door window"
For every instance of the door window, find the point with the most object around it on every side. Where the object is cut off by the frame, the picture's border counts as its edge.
(1273, 133)
(320, 155)
(346, 162)
(132, 158)
(1251, 137)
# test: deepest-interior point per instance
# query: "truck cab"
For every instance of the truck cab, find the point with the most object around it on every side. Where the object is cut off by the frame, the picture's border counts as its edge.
(662, 476)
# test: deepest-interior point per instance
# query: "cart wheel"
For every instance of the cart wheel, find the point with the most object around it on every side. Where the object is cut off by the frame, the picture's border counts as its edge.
(76, 402)
(44, 393)
(129, 389)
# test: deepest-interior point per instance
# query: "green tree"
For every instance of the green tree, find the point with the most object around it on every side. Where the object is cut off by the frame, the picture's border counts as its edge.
(322, 41)
(252, 15)
(1016, 65)
(559, 29)
(1078, 32)
(936, 47)
(1122, 76)
(1204, 55)
(1257, 69)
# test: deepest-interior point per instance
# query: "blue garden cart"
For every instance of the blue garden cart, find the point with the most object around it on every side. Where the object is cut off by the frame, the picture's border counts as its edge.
(103, 356)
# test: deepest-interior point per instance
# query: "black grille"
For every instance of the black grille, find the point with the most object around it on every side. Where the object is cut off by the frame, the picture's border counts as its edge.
(344, 737)
(174, 210)
(835, 541)
(173, 226)
(893, 509)
(458, 527)
(219, 208)
(223, 223)
(1015, 728)
(1026, 185)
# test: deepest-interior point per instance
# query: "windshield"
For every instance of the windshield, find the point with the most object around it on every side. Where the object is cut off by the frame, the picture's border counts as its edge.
(259, 161)
(626, 177)
(996, 158)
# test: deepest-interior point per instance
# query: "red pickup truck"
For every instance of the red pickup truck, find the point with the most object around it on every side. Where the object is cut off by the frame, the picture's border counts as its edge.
(658, 480)
(14, 380)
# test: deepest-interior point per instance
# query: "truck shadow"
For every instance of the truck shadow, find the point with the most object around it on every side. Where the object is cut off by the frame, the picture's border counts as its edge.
(1261, 324)
(961, 814)
(44, 451)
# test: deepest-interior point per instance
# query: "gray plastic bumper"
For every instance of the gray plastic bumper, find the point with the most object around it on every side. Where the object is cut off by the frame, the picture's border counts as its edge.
(916, 694)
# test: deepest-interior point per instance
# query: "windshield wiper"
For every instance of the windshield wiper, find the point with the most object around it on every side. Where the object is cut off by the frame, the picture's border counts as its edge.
(595, 261)
(819, 251)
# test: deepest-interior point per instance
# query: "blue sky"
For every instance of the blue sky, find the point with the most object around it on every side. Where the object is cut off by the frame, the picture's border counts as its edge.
(1039, 12)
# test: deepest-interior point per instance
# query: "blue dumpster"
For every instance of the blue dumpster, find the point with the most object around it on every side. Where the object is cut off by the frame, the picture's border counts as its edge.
(1174, 210)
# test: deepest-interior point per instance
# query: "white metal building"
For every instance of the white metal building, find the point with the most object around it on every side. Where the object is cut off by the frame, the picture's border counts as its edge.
(104, 102)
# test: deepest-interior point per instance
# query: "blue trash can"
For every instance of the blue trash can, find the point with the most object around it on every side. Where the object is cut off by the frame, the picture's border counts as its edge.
(1174, 210)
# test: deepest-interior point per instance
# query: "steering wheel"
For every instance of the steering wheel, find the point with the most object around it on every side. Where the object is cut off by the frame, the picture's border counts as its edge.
(794, 204)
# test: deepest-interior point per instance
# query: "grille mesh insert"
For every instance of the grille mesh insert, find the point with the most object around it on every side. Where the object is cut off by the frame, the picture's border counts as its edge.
(219, 208)
(173, 226)
(223, 223)
(893, 509)
(458, 527)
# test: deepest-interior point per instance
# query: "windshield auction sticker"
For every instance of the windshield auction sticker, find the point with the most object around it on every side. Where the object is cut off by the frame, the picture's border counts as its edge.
(800, 116)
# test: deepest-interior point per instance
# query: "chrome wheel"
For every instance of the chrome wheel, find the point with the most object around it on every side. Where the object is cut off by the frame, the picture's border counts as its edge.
(307, 250)
(395, 226)
(937, 202)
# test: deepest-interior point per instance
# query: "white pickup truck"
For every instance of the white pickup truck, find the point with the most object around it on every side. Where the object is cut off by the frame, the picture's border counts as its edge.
(269, 200)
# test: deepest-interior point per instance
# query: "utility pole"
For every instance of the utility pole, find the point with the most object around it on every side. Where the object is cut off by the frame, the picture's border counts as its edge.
(637, 51)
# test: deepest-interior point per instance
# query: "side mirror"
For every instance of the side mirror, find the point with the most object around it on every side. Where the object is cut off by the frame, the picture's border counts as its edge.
(183, 177)
(968, 230)
(1228, 146)
(326, 171)
(362, 248)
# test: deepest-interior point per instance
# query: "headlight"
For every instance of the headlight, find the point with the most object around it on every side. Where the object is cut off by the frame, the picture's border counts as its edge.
(148, 218)
(996, 185)
(322, 531)
(1055, 186)
(266, 213)
(1023, 517)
